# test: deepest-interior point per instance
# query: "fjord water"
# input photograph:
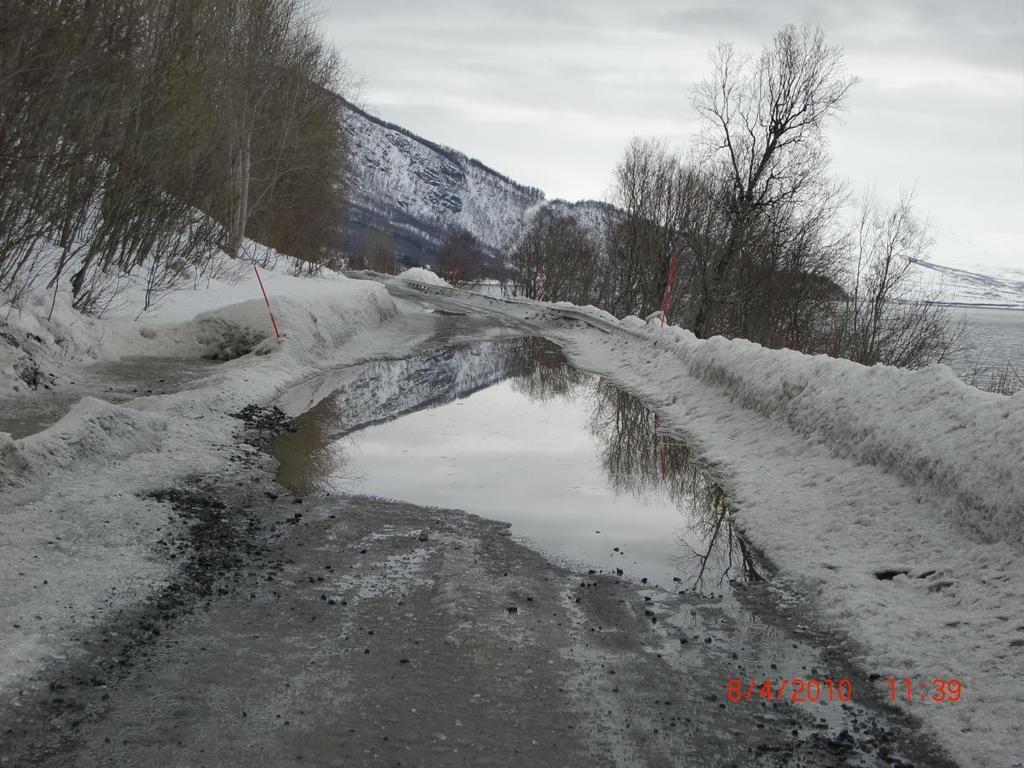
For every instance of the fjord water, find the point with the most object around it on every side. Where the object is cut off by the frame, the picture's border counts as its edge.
(508, 430)
(993, 336)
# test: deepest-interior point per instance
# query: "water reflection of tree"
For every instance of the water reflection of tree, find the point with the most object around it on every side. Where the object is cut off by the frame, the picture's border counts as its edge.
(641, 461)
(310, 456)
(539, 371)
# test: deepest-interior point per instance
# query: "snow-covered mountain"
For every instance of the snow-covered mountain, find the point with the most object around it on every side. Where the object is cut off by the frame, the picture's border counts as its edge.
(418, 190)
(962, 286)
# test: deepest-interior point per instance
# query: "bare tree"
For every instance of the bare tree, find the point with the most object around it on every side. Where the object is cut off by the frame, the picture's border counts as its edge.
(764, 122)
(888, 318)
(649, 190)
(145, 134)
(459, 260)
(379, 252)
(555, 260)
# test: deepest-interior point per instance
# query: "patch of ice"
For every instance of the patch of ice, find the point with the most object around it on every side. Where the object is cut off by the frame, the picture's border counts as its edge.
(394, 576)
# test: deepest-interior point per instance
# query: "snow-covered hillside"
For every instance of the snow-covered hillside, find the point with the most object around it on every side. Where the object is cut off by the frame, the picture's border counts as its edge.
(963, 286)
(418, 190)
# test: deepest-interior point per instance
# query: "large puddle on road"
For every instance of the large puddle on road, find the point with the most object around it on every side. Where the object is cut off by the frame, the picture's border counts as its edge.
(508, 430)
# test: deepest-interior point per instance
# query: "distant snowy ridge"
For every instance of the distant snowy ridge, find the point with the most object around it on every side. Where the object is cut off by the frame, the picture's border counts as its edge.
(962, 286)
(419, 190)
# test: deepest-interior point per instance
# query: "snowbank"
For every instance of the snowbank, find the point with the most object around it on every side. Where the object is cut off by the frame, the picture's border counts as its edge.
(316, 316)
(45, 335)
(37, 341)
(77, 529)
(420, 275)
(310, 322)
(927, 426)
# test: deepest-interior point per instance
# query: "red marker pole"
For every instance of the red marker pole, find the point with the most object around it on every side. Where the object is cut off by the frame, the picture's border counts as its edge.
(273, 319)
(673, 266)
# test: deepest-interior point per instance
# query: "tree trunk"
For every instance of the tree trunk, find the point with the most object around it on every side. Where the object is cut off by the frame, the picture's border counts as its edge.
(712, 288)
(240, 214)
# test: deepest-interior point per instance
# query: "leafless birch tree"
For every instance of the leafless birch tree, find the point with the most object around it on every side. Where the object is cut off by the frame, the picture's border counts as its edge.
(764, 120)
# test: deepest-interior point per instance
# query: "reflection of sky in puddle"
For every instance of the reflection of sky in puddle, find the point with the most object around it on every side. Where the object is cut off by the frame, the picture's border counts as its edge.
(576, 466)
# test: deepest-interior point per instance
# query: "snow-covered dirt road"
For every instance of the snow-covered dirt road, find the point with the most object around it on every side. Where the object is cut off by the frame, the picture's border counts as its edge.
(334, 630)
(147, 545)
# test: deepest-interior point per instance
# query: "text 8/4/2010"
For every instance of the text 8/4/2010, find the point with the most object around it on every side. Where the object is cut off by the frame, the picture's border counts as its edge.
(796, 690)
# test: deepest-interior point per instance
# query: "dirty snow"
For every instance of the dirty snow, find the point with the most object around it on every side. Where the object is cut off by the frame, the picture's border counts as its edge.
(77, 531)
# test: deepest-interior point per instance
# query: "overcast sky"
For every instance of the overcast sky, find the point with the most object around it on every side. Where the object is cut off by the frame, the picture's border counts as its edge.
(549, 92)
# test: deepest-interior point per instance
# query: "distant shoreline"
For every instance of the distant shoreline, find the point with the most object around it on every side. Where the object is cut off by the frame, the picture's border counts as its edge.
(972, 305)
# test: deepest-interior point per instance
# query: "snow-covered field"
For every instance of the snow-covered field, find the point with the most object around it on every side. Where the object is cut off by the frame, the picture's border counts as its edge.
(993, 337)
(839, 473)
